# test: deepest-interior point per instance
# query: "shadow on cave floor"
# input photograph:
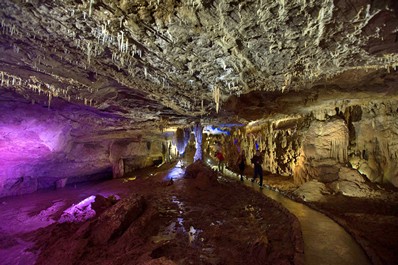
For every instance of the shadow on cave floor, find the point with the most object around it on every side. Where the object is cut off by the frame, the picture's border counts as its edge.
(325, 242)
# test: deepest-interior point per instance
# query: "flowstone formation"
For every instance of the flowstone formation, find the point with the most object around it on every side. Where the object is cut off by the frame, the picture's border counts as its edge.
(345, 143)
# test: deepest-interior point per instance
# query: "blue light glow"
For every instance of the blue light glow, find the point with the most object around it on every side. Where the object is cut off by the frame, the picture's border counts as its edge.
(215, 130)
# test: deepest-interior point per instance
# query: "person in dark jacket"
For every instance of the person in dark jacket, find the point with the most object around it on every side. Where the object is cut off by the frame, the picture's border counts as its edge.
(241, 164)
(257, 160)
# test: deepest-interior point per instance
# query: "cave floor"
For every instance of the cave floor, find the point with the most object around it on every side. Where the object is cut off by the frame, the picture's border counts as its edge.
(325, 242)
(372, 222)
(225, 223)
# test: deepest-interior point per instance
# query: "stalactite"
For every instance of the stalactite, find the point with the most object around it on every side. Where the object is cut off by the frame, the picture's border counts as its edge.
(216, 97)
(281, 8)
(90, 8)
(50, 96)
(338, 149)
(182, 137)
(89, 52)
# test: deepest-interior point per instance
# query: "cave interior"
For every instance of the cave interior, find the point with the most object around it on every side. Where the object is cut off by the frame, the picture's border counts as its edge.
(96, 90)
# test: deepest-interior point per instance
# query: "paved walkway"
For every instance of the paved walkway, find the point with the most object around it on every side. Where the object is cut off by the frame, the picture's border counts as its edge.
(325, 242)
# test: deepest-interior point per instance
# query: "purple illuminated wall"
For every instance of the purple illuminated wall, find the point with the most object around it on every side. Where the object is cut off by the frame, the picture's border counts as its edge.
(37, 147)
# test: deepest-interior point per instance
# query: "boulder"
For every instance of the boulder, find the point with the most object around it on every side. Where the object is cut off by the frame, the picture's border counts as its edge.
(350, 174)
(325, 173)
(312, 191)
(200, 176)
(117, 219)
(351, 189)
(325, 170)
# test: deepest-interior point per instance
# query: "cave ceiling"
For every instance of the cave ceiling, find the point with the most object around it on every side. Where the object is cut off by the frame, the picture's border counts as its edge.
(169, 63)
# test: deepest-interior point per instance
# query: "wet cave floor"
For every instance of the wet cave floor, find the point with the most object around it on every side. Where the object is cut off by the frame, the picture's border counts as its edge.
(164, 218)
(161, 218)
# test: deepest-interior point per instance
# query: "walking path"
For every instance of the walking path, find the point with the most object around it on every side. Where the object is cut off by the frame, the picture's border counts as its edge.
(325, 242)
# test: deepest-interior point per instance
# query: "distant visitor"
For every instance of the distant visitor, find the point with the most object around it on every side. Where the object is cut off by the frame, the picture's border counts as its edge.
(257, 160)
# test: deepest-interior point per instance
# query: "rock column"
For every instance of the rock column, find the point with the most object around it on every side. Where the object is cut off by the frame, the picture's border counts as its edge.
(198, 142)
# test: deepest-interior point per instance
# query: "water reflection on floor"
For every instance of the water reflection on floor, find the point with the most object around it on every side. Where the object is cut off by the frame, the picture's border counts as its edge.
(176, 173)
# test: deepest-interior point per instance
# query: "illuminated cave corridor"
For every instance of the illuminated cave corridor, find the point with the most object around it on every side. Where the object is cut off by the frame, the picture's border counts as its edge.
(111, 113)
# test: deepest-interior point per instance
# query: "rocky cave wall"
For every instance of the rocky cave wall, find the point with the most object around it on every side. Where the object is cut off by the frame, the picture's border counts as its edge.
(43, 147)
(127, 156)
(321, 143)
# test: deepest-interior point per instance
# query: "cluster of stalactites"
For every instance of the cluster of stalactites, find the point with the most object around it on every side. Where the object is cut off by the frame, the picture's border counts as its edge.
(33, 84)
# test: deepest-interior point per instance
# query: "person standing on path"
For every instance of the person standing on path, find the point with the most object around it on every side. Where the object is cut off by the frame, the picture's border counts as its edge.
(257, 160)
(241, 164)
(221, 159)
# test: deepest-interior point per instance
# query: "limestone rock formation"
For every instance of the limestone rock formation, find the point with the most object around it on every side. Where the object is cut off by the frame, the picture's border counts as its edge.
(350, 174)
(352, 189)
(312, 191)
(116, 220)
